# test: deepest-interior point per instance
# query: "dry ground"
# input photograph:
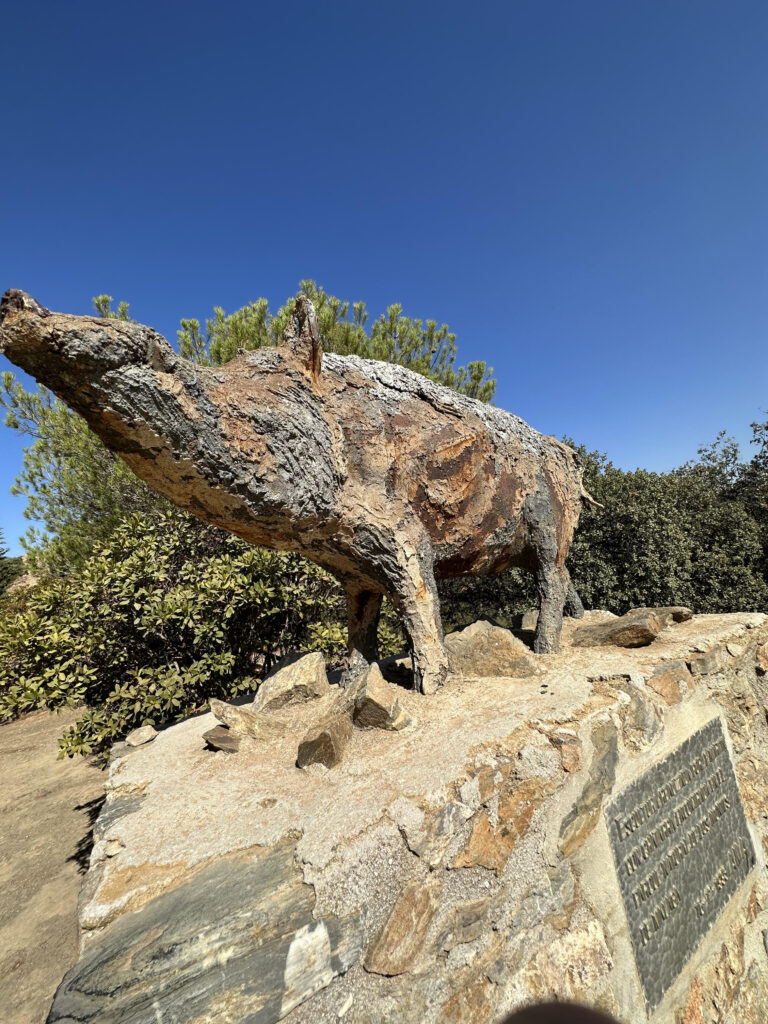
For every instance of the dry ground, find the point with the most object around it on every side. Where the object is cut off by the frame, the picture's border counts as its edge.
(46, 807)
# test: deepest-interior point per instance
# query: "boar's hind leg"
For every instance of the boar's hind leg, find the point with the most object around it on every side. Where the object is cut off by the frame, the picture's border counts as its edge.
(363, 611)
(574, 609)
(551, 578)
(551, 587)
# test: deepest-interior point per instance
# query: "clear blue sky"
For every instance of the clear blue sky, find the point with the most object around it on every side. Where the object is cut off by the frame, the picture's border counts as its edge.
(579, 189)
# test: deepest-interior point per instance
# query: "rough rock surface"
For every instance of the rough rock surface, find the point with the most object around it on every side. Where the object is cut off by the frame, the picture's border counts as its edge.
(326, 740)
(637, 628)
(385, 478)
(297, 678)
(484, 649)
(138, 737)
(377, 703)
(475, 874)
(243, 720)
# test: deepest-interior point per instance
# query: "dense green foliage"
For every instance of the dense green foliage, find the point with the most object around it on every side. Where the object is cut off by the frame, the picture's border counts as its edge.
(166, 614)
(697, 536)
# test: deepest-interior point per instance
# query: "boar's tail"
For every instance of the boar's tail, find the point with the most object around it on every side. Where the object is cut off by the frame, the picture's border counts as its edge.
(586, 496)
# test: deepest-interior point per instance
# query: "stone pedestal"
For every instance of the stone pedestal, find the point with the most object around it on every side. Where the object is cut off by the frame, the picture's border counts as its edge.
(457, 868)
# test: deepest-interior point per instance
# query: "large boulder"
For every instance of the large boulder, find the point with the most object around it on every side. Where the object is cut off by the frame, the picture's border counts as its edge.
(484, 649)
(298, 678)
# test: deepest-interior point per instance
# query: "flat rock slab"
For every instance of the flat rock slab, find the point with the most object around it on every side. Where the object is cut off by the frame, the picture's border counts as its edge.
(638, 628)
(221, 738)
(243, 720)
(238, 936)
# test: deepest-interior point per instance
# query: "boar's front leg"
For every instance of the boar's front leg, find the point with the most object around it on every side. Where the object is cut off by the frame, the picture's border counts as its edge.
(401, 557)
(363, 611)
(551, 575)
(551, 587)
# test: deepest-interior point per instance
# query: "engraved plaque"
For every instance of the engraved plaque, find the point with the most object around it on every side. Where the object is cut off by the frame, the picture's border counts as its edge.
(681, 847)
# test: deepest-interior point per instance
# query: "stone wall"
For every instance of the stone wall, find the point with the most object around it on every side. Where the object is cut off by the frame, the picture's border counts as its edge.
(449, 868)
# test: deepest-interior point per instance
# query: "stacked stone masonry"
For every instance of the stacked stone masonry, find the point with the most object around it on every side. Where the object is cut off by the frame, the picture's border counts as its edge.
(450, 867)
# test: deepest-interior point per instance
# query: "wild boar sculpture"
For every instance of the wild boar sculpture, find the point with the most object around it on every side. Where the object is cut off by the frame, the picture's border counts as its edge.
(386, 479)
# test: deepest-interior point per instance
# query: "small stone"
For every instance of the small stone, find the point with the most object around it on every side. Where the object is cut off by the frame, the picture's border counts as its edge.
(242, 720)
(640, 718)
(464, 924)
(709, 662)
(398, 946)
(376, 705)
(428, 835)
(761, 659)
(296, 679)
(566, 742)
(140, 736)
(671, 680)
(220, 738)
(326, 741)
(345, 1006)
(483, 649)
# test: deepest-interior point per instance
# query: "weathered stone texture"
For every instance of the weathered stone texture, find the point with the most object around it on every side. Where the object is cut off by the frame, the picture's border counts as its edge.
(638, 628)
(399, 947)
(326, 741)
(243, 720)
(450, 871)
(237, 941)
(483, 649)
(298, 678)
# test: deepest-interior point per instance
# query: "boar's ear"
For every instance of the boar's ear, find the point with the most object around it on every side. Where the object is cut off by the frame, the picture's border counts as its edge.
(303, 335)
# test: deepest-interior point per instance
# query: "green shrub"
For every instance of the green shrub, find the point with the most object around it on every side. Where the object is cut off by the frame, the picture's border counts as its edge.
(167, 614)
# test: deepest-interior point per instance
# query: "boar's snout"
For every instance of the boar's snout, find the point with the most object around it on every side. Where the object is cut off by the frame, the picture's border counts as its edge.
(49, 345)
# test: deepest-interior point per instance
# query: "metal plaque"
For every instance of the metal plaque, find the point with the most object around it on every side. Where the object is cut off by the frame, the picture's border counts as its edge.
(682, 847)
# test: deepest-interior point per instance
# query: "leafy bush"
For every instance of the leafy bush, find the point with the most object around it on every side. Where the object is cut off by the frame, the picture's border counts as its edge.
(167, 614)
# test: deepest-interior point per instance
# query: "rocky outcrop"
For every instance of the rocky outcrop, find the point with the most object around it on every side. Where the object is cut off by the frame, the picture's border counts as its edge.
(448, 871)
